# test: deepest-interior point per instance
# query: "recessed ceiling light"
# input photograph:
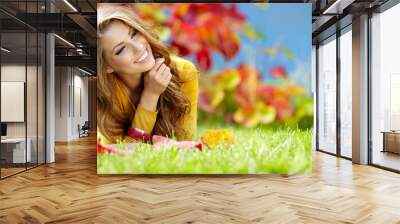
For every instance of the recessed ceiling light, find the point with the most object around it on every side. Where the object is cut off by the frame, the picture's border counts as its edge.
(70, 5)
(84, 71)
(64, 40)
(5, 50)
(337, 7)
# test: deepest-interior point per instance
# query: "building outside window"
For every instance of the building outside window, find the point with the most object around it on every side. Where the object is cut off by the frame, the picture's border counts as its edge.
(327, 95)
(385, 89)
(346, 92)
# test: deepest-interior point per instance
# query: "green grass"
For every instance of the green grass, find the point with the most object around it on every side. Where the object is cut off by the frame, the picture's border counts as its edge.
(256, 151)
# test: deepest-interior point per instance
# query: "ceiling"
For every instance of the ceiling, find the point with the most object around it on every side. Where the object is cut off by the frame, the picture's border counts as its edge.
(331, 15)
(76, 25)
(75, 22)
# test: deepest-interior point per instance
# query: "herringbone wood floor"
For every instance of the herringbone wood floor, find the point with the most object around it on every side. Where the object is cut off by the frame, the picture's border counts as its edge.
(70, 191)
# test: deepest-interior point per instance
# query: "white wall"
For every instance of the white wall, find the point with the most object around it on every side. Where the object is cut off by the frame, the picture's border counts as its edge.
(70, 83)
(61, 103)
(33, 127)
(80, 89)
(15, 72)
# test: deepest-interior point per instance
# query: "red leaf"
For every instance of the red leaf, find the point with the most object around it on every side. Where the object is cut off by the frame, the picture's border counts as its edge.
(278, 72)
(203, 58)
(183, 51)
(204, 102)
(246, 91)
(267, 90)
(282, 106)
(227, 43)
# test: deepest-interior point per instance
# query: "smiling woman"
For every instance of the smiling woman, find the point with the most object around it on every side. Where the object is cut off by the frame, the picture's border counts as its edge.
(140, 84)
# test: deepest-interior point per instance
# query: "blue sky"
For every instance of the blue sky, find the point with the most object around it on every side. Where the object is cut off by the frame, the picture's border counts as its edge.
(282, 24)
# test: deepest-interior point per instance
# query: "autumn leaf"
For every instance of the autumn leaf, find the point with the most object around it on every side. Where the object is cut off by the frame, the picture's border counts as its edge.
(249, 32)
(212, 138)
(204, 102)
(289, 55)
(228, 42)
(262, 5)
(271, 51)
(228, 79)
(203, 58)
(278, 72)
(246, 91)
(251, 117)
(210, 97)
(266, 114)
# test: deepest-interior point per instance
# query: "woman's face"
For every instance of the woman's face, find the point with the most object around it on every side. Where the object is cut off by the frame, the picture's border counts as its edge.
(126, 51)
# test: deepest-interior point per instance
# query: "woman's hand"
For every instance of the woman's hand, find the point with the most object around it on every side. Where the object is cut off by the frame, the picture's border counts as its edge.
(155, 83)
(157, 80)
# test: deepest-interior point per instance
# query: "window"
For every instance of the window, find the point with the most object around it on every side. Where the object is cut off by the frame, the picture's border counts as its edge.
(346, 92)
(327, 96)
(385, 89)
(22, 76)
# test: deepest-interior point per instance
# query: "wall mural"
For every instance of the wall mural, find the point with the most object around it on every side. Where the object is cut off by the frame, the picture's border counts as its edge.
(204, 88)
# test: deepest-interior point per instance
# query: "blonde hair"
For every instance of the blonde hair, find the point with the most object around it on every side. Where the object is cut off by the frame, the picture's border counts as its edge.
(115, 109)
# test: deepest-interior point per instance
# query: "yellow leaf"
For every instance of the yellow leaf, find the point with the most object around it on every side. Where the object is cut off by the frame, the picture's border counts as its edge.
(212, 138)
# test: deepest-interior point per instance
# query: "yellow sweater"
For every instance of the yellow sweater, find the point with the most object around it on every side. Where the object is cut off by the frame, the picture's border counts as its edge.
(145, 119)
